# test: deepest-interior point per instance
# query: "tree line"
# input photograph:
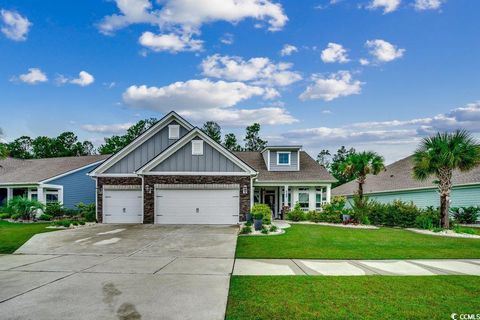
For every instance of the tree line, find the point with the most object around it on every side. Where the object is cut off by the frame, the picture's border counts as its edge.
(67, 143)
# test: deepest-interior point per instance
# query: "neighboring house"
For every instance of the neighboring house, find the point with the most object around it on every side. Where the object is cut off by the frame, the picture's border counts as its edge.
(397, 183)
(55, 179)
(175, 174)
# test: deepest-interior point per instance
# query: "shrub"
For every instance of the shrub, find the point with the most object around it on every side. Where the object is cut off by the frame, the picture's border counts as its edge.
(314, 216)
(273, 228)
(296, 214)
(248, 224)
(87, 211)
(16, 216)
(428, 219)
(460, 229)
(45, 217)
(54, 209)
(264, 230)
(332, 212)
(5, 215)
(62, 223)
(24, 208)
(262, 211)
(246, 230)
(467, 215)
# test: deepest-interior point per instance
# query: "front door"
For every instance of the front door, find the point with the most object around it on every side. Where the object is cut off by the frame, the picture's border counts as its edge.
(270, 201)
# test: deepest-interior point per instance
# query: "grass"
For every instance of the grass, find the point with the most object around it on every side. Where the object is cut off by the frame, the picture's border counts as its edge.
(366, 297)
(321, 242)
(14, 235)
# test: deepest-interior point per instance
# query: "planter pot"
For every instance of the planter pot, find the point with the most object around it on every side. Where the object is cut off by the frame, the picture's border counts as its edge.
(249, 216)
(345, 217)
(258, 224)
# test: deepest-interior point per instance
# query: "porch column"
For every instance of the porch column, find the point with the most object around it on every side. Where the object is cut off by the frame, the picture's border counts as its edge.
(60, 195)
(9, 194)
(285, 195)
(40, 195)
(329, 191)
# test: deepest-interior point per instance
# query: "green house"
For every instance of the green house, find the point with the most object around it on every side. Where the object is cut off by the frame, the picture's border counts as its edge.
(397, 183)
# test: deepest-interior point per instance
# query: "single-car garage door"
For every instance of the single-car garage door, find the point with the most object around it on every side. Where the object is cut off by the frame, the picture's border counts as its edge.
(122, 206)
(197, 206)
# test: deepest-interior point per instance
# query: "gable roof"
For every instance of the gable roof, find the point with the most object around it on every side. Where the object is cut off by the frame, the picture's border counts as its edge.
(17, 171)
(398, 176)
(159, 125)
(195, 132)
(310, 170)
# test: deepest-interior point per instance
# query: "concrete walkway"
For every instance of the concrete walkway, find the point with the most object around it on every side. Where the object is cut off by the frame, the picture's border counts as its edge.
(262, 267)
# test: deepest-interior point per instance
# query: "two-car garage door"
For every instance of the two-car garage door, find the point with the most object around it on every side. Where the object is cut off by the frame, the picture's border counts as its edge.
(198, 205)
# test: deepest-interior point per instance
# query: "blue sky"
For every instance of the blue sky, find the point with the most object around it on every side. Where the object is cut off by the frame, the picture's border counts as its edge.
(372, 74)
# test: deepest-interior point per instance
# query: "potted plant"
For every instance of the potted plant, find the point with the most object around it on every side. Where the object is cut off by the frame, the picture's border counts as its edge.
(258, 221)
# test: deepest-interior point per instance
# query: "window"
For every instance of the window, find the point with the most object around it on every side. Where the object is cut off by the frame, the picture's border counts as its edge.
(173, 131)
(304, 198)
(51, 197)
(197, 147)
(320, 195)
(283, 158)
(34, 196)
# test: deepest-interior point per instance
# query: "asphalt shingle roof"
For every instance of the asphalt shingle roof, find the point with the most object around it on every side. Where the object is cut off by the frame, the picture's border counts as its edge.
(398, 176)
(310, 170)
(36, 170)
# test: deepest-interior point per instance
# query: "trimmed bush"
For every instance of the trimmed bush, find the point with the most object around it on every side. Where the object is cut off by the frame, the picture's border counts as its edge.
(87, 211)
(296, 214)
(332, 212)
(24, 208)
(263, 210)
(246, 230)
(428, 219)
(54, 209)
(5, 215)
(45, 217)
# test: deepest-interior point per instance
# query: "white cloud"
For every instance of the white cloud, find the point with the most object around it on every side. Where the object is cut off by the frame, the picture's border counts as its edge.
(169, 42)
(334, 86)
(387, 5)
(364, 62)
(242, 117)
(428, 4)
(14, 26)
(191, 95)
(404, 134)
(384, 51)
(84, 79)
(334, 53)
(107, 128)
(288, 50)
(33, 76)
(227, 38)
(260, 71)
(190, 15)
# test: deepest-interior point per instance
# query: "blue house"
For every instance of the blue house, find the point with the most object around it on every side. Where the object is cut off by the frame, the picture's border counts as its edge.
(62, 179)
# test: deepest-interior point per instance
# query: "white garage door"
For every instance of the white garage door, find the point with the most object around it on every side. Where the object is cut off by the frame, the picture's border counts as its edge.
(122, 206)
(179, 206)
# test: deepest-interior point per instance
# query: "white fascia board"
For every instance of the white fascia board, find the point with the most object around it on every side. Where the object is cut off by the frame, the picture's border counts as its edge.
(19, 184)
(116, 175)
(71, 171)
(291, 183)
(194, 173)
(140, 140)
(183, 141)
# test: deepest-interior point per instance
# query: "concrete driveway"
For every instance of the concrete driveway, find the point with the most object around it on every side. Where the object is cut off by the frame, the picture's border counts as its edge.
(120, 272)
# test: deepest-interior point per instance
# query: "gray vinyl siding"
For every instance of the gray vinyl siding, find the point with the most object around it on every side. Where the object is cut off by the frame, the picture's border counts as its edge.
(77, 187)
(146, 151)
(293, 161)
(461, 196)
(183, 161)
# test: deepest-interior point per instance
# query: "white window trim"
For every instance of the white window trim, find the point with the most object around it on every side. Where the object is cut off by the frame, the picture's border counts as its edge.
(289, 158)
(199, 144)
(171, 130)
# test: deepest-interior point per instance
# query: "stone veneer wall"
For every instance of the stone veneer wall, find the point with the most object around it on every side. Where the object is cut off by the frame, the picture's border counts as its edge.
(111, 181)
(149, 198)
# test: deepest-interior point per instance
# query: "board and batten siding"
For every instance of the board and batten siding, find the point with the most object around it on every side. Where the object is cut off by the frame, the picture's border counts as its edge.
(183, 161)
(293, 161)
(77, 187)
(146, 151)
(461, 196)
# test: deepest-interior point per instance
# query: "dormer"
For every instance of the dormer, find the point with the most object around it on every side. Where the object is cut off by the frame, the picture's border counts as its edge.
(282, 158)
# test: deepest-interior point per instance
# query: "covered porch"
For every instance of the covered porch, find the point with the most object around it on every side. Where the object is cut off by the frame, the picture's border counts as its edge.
(310, 196)
(44, 193)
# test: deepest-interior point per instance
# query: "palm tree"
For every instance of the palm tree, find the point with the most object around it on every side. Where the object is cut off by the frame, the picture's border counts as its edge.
(439, 156)
(358, 165)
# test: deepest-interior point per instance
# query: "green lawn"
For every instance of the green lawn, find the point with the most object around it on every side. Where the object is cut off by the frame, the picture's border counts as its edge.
(366, 297)
(321, 242)
(13, 235)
